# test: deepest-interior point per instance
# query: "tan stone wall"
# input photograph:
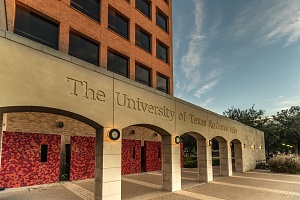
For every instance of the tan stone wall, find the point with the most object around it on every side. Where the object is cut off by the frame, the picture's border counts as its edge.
(2, 15)
(71, 19)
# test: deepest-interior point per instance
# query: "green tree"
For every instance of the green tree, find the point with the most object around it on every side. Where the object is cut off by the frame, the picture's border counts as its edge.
(250, 117)
(189, 143)
(289, 125)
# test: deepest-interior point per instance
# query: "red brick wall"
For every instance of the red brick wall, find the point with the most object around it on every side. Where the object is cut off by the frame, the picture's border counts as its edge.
(82, 164)
(131, 165)
(71, 19)
(21, 159)
(153, 162)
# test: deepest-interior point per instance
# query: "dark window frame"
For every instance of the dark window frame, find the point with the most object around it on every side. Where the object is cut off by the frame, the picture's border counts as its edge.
(137, 65)
(117, 26)
(160, 44)
(83, 8)
(31, 32)
(140, 9)
(161, 15)
(83, 38)
(139, 33)
(44, 153)
(112, 68)
(167, 89)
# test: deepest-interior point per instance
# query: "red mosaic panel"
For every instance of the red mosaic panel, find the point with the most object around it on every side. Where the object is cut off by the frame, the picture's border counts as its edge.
(131, 163)
(21, 159)
(82, 164)
(153, 159)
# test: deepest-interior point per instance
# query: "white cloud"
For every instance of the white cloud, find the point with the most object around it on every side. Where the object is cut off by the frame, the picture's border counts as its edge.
(207, 102)
(269, 21)
(205, 88)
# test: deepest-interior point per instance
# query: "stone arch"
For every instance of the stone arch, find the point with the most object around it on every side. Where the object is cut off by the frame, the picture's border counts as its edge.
(57, 111)
(224, 156)
(39, 109)
(237, 148)
(203, 157)
(171, 176)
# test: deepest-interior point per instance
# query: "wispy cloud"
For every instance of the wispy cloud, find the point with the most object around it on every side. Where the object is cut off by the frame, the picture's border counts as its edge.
(272, 22)
(207, 102)
(205, 88)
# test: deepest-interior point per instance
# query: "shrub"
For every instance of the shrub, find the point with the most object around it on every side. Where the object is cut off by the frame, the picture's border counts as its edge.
(190, 162)
(215, 161)
(285, 164)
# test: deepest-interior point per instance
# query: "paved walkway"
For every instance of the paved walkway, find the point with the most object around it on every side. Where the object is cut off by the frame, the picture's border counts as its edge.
(257, 184)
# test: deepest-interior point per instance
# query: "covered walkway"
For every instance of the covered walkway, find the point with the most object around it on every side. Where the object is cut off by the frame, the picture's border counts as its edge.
(257, 184)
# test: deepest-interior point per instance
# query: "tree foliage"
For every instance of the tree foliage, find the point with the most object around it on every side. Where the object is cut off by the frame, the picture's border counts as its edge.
(250, 117)
(284, 127)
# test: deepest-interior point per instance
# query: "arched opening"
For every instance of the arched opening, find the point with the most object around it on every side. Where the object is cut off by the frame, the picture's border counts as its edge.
(197, 166)
(149, 150)
(221, 157)
(237, 156)
(48, 145)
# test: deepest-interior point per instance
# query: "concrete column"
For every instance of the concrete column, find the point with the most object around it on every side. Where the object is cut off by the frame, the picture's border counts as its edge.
(238, 154)
(204, 156)
(225, 159)
(108, 166)
(171, 169)
(2, 15)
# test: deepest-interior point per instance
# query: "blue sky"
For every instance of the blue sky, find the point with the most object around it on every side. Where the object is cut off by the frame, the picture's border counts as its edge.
(237, 53)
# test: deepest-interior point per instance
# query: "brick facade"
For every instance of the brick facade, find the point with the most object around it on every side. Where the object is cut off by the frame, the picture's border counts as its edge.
(71, 19)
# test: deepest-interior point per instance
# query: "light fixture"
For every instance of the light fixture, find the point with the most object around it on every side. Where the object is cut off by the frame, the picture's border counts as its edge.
(132, 132)
(209, 142)
(254, 146)
(260, 146)
(154, 134)
(114, 134)
(60, 124)
(177, 140)
(244, 145)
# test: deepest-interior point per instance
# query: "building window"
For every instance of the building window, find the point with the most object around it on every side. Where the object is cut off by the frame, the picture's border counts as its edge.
(117, 63)
(143, 39)
(90, 8)
(159, 152)
(44, 153)
(37, 28)
(133, 152)
(162, 52)
(162, 83)
(83, 48)
(142, 75)
(144, 6)
(162, 20)
(118, 23)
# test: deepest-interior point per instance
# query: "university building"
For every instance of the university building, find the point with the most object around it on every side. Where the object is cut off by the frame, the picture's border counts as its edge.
(87, 92)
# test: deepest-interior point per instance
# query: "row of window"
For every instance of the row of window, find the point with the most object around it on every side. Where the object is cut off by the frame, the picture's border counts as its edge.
(119, 64)
(91, 8)
(44, 31)
(120, 25)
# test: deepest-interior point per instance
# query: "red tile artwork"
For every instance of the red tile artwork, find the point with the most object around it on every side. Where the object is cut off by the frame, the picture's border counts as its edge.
(82, 164)
(153, 153)
(21, 159)
(131, 156)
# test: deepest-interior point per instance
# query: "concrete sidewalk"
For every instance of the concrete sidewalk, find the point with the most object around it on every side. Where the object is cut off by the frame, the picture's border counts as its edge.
(257, 184)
